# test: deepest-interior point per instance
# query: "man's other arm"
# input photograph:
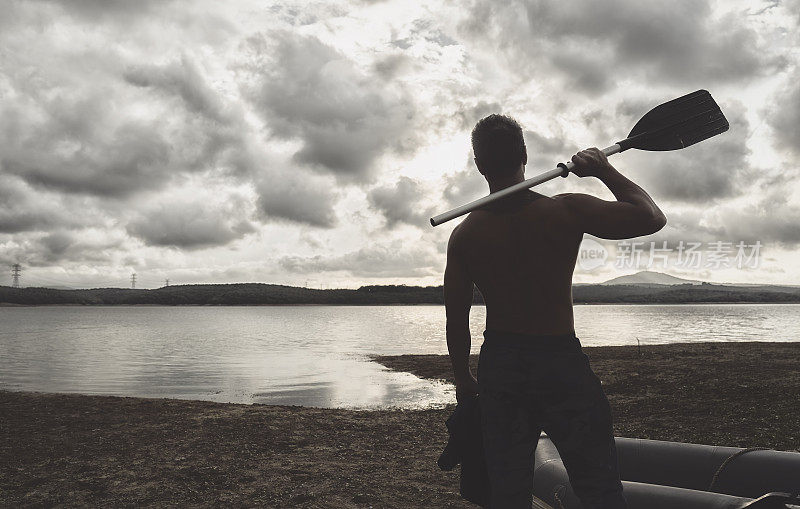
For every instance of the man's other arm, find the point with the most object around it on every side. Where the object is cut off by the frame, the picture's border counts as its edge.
(632, 215)
(458, 301)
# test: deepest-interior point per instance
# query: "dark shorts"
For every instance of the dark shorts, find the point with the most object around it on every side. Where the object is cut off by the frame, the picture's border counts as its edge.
(532, 383)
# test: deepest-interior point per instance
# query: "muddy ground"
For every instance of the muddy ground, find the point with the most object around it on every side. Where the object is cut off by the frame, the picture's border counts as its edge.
(74, 450)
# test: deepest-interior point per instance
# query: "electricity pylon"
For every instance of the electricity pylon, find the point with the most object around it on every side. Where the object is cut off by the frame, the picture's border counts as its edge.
(16, 270)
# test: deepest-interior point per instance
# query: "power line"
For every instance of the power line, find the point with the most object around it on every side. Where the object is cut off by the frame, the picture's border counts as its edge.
(16, 270)
(133, 280)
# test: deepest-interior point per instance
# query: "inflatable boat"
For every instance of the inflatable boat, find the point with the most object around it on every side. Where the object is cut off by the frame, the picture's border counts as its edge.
(669, 475)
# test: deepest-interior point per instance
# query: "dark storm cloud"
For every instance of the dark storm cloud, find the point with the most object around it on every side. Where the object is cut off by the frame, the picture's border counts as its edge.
(56, 244)
(587, 72)
(392, 260)
(127, 159)
(183, 79)
(23, 209)
(215, 134)
(401, 202)
(677, 42)
(60, 247)
(124, 127)
(82, 117)
(701, 173)
(285, 192)
(70, 135)
(345, 119)
(192, 224)
(298, 198)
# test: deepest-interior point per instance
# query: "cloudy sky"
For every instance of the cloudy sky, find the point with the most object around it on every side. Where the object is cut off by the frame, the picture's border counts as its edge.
(307, 143)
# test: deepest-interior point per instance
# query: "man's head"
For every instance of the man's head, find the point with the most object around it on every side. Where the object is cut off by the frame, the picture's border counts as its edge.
(498, 146)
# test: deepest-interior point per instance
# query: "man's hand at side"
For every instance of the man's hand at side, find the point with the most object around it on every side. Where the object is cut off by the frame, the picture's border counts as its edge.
(466, 388)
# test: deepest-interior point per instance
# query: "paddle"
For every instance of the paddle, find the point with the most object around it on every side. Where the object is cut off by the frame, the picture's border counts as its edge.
(670, 126)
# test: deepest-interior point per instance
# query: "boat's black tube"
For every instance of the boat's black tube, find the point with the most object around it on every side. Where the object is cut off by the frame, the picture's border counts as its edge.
(550, 481)
(693, 466)
(643, 496)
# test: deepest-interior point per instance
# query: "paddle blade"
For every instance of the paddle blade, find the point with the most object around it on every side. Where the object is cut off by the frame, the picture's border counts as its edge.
(677, 124)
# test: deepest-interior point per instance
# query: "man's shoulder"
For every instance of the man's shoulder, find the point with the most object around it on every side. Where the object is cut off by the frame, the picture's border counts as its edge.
(467, 232)
(579, 204)
(564, 198)
(572, 199)
(459, 232)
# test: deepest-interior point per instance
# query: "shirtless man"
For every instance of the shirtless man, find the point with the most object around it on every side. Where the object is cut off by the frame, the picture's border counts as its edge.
(520, 253)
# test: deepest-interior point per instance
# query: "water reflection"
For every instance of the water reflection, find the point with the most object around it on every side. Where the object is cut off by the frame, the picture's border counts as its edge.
(305, 355)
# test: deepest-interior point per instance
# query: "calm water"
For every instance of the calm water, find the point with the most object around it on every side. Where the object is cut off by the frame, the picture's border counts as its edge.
(306, 355)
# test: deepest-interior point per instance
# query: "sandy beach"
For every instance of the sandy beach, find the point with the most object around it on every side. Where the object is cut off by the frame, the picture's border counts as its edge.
(75, 450)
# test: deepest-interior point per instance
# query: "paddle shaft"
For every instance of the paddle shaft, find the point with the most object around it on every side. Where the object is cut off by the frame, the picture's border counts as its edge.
(562, 170)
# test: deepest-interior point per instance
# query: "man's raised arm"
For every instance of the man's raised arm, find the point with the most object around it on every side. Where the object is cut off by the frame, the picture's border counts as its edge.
(632, 215)
(458, 301)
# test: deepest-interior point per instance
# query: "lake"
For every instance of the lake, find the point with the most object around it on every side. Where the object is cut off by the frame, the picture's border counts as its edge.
(306, 355)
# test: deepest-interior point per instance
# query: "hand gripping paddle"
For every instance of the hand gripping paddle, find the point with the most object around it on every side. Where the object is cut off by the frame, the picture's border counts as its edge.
(670, 126)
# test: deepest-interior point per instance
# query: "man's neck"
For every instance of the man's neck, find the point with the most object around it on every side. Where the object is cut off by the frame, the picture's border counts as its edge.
(498, 183)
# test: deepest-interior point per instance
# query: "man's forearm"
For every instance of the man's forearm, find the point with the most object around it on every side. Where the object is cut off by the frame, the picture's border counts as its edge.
(458, 345)
(626, 190)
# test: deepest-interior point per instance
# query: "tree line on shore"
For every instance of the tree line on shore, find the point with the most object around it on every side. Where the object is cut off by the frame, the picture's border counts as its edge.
(244, 294)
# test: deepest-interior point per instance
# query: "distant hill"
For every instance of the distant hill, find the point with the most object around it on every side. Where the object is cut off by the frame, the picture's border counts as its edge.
(647, 277)
(255, 294)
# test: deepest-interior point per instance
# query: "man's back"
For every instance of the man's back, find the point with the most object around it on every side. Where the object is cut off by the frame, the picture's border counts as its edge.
(521, 254)
(532, 375)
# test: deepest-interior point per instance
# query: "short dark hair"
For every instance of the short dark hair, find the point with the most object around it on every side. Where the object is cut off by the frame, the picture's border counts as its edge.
(498, 145)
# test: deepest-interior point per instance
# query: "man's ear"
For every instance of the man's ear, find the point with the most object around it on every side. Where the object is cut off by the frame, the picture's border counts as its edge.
(478, 165)
(524, 157)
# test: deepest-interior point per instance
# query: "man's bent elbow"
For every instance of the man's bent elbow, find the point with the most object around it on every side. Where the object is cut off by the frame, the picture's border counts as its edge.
(657, 222)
